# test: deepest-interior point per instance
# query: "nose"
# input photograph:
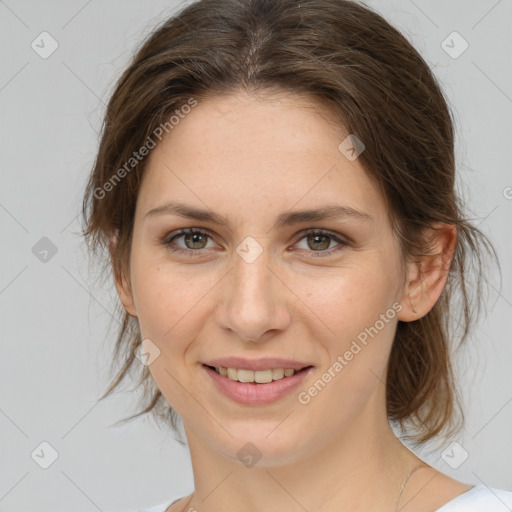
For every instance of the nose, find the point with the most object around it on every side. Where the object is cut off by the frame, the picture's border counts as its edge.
(255, 302)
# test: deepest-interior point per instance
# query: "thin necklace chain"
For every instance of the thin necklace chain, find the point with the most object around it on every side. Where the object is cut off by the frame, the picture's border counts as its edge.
(420, 466)
(413, 470)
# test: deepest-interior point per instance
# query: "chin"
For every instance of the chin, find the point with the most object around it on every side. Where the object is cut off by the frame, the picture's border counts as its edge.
(260, 444)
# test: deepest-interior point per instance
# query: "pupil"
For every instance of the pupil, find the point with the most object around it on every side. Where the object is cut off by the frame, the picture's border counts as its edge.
(196, 237)
(316, 239)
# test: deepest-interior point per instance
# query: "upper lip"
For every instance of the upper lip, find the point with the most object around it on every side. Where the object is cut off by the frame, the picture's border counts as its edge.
(266, 363)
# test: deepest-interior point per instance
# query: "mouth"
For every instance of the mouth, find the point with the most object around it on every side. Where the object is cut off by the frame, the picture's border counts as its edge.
(257, 376)
(256, 387)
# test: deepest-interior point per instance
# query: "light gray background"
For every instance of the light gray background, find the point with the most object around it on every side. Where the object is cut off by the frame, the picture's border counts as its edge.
(55, 344)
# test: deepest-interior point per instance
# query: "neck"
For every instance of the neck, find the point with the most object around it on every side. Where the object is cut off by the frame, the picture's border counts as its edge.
(361, 468)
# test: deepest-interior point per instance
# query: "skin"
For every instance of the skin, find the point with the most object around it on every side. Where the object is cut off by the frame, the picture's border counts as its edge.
(250, 158)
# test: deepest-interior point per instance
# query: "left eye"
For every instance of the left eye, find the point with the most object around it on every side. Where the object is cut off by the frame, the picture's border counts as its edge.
(319, 242)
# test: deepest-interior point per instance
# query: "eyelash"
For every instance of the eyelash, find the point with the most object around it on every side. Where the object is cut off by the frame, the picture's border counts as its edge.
(168, 240)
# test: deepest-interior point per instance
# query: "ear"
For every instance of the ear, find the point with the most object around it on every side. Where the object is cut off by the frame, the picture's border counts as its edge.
(123, 285)
(426, 278)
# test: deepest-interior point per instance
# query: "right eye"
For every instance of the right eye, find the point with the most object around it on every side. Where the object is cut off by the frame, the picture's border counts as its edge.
(195, 240)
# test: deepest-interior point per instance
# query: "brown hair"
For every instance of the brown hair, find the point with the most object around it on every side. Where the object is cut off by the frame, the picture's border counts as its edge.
(377, 86)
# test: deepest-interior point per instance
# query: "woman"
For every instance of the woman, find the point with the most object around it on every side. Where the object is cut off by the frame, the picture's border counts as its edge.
(275, 186)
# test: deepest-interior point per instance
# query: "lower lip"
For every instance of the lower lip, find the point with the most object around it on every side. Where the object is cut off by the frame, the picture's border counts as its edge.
(253, 393)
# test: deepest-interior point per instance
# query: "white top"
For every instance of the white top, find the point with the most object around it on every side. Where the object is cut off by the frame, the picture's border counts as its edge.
(478, 499)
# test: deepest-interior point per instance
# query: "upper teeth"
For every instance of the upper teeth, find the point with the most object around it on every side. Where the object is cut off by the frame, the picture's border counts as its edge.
(260, 376)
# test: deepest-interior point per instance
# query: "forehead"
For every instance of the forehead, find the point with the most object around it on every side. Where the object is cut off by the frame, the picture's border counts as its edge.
(250, 153)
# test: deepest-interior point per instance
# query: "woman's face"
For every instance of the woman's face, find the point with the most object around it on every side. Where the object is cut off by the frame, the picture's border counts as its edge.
(258, 284)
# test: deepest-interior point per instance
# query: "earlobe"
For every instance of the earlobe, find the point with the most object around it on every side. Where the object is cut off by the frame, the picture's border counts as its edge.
(427, 277)
(123, 286)
(125, 294)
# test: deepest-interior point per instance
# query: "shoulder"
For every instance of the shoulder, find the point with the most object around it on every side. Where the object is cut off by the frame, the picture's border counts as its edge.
(480, 499)
(162, 507)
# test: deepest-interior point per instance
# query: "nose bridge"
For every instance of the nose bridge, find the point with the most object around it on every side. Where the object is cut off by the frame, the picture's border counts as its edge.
(252, 279)
(253, 305)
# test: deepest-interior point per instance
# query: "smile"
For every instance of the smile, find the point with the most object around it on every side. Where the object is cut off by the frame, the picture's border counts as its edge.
(260, 376)
(259, 387)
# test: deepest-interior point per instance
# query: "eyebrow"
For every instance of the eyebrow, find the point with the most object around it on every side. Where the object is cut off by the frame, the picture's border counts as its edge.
(288, 218)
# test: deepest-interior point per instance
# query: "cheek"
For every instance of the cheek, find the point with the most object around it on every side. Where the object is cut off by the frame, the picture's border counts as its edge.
(163, 298)
(171, 312)
(354, 371)
(356, 314)
(349, 301)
